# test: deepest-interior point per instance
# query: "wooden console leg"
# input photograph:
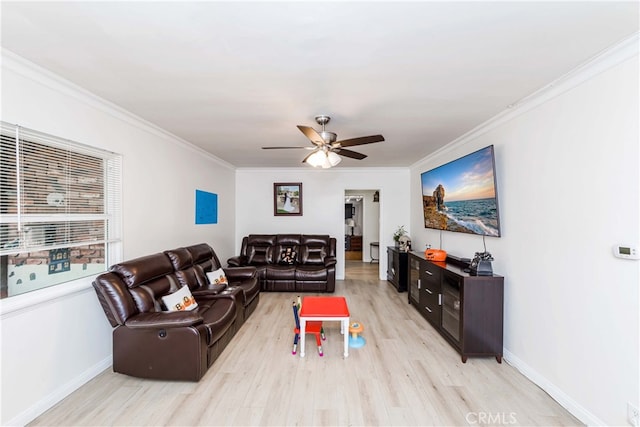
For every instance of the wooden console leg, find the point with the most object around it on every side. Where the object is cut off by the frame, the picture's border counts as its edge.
(464, 359)
(499, 359)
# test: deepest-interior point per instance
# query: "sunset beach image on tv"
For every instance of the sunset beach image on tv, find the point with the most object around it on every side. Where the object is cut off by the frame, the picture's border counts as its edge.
(461, 195)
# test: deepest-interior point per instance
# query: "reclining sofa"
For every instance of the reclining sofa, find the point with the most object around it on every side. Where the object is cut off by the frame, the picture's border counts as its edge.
(290, 262)
(151, 342)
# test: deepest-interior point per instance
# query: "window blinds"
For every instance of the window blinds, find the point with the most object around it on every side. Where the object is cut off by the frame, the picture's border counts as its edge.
(56, 193)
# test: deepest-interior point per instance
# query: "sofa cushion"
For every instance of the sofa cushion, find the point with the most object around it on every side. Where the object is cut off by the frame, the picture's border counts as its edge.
(281, 272)
(315, 240)
(312, 255)
(259, 248)
(258, 255)
(148, 296)
(185, 272)
(144, 269)
(180, 258)
(205, 256)
(311, 273)
(180, 300)
(288, 239)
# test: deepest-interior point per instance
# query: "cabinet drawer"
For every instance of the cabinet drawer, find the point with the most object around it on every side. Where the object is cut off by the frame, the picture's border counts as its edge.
(430, 305)
(430, 277)
(429, 296)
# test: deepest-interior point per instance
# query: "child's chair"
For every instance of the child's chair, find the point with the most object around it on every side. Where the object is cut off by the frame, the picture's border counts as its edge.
(312, 327)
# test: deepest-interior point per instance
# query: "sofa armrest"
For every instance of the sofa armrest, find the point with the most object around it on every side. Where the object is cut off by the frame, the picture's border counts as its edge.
(237, 261)
(239, 273)
(164, 319)
(209, 290)
(330, 261)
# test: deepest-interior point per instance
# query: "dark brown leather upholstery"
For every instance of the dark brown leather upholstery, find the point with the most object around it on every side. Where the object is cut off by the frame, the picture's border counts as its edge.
(151, 343)
(313, 270)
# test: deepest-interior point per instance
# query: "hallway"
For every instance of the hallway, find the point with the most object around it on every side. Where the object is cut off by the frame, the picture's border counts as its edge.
(358, 270)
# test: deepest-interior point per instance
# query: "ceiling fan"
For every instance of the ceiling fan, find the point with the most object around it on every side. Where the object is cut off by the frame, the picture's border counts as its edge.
(326, 149)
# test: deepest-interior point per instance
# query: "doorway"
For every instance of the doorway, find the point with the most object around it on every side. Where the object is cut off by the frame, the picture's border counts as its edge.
(361, 226)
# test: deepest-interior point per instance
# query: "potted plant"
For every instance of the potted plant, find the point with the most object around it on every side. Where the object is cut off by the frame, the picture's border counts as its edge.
(398, 234)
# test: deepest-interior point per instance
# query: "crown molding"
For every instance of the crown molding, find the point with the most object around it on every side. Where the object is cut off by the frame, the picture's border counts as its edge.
(302, 169)
(28, 69)
(616, 54)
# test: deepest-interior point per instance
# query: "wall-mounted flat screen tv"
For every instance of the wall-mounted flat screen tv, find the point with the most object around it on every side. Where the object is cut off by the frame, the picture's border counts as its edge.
(462, 195)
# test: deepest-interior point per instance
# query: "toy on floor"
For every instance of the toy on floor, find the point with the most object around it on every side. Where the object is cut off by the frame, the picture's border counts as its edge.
(355, 340)
(311, 327)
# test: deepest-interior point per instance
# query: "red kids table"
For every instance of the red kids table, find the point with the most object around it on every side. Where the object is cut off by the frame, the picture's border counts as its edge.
(325, 309)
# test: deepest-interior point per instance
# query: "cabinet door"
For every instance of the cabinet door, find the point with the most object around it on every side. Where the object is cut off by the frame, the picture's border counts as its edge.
(451, 304)
(414, 281)
(392, 266)
(482, 316)
(430, 295)
(396, 267)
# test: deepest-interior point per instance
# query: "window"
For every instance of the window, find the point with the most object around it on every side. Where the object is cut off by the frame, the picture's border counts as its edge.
(59, 210)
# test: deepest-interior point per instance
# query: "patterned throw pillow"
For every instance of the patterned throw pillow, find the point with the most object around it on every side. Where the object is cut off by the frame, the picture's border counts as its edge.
(288, 256)
(217, 277)
(180, 300)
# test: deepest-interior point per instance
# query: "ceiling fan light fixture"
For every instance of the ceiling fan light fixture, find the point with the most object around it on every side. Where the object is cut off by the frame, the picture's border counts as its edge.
(316, 159)
(333, 158)
(326, 164)
(323, 159)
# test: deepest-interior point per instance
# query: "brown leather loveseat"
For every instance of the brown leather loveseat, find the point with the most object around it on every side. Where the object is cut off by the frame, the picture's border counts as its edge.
(290, 262)
(150, 342)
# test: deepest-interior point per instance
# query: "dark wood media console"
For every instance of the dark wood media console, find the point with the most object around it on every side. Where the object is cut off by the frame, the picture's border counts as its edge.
(466, 310)
(397, 265)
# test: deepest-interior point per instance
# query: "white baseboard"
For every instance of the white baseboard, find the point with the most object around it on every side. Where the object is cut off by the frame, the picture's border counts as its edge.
(558, 395)
(41, 406)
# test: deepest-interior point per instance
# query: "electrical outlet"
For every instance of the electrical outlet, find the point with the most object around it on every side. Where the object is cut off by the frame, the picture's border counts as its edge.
(633, 415)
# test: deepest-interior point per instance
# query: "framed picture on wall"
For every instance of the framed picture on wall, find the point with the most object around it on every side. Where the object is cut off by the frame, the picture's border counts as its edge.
(287, 198)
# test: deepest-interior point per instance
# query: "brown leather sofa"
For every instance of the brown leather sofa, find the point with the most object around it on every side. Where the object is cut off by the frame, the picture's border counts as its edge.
(178, 345)
(313, 269)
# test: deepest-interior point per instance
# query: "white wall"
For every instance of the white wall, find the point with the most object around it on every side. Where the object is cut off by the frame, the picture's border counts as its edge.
(56, 339)
(569, 188)
(323, 203)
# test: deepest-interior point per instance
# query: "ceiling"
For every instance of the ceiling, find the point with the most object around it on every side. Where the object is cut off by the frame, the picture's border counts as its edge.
(231, 77)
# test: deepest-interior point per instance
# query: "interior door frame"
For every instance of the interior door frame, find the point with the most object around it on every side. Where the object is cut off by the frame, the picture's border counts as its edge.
(365, 243)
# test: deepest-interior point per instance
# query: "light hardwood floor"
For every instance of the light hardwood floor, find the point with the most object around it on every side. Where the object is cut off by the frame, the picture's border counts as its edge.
(405, 375)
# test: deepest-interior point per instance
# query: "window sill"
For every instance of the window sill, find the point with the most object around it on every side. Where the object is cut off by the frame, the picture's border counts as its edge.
(29, 301)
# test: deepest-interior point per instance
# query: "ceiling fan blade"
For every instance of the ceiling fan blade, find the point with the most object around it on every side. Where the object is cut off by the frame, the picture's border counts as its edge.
(284, 148)
(359, 141)
(349, 153)
(312, 135)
